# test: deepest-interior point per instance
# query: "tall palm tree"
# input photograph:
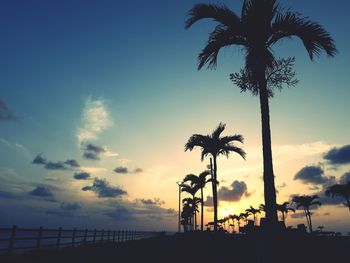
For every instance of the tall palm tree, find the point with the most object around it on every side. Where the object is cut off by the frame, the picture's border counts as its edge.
(214, 145)
(261, 25)
(199, 182)
(192, 190)
(306, 201)
(252, 211)
(342, 190)
(284, 208)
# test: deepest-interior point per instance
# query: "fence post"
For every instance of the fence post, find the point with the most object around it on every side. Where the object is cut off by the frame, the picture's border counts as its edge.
(73, 237)
(12, 240)
(108, 235)
(103, 233)
(85, 236)
(59, 234)
(94, 238)
(122, 238)
(118, 236)
(40, 234)
(114, 236)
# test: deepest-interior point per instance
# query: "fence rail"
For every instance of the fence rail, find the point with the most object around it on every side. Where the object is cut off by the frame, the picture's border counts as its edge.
(17, 239)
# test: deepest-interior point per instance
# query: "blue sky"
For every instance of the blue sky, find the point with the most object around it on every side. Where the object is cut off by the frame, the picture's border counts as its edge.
(133, 67)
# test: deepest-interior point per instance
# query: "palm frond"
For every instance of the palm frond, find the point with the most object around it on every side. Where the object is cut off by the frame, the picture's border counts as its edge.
(195, 140)
(314, 37)
(219, 13)
(221, 37)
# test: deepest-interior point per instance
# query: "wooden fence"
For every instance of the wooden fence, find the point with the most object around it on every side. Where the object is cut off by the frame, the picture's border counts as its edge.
(19, 239)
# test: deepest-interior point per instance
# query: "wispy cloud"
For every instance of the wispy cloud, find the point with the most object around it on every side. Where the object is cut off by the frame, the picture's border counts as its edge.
(6, 113)
(95, 119)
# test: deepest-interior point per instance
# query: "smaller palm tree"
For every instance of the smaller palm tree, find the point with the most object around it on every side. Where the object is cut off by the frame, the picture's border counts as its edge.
(284, 208)
(199, 182)
(252, 211)
(342, 190)
(306, 201)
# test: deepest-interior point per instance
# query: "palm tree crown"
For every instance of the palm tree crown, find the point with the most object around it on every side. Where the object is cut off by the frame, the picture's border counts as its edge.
(305, 202)
(342, 190)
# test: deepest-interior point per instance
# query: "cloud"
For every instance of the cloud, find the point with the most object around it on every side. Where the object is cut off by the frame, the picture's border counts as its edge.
(39, 159)
(92, 151)
(338, 156)
(121, 170)
(95, 119)
(138, 170)
(72, 163)
(155, 201)
(234, 193)
(55, 166)
(121, 214)
(43, 191)
(209, 201)
(297, 215)
(65, 210)
(6, 113)
(103, 189)
(311, 174)
(345, 178)
(81, 176)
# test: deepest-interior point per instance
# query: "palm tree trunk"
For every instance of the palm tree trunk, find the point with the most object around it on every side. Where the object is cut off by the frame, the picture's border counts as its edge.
(215, 195)
(202, 209)
(309, 214)
(348, 203)
(307, 220)
(283, 217)
(269, 180)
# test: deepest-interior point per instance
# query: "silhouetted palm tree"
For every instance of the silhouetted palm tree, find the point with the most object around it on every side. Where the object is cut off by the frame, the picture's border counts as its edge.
(233, 218)
(214, 145)
(306, 201)
(192, 190)
(252, 211)
(199, 181)
(342, 190)
(261, 25)
(283, 208)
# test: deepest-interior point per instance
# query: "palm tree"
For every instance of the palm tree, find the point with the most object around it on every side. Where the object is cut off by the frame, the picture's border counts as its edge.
(261, 25)
(342, 190)
(234, 217)
(199, 182)
(192, 190)
(253, 211)
(283, 208)
(214, 145)
(306, 201)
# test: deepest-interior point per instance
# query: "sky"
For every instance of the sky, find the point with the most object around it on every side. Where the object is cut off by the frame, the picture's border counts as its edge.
(98, 98)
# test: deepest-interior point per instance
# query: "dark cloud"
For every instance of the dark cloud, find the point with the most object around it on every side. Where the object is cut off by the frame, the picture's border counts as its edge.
(92, 151)
(6, 113)
(121, 214)
(72, 163)
(81, 176)
(326, 214)
(138, 170)
(70, 206)
(338, 156)
(234, 193)
(9, 195)
(209, 201)
(121, 170)
(66, 210)
(103, 189)
(155, 201)
(43, 191)
(345, 178)
(297, 215)
(39, 159)
(55, 166)
(311, 174)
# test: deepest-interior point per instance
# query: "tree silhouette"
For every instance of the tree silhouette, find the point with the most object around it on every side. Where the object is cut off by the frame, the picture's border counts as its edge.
(261, 25)
(306, 201)
(199, 182)
(342, 190)
(192, 190)
(252, 211)
(214, 145)
(283, 208)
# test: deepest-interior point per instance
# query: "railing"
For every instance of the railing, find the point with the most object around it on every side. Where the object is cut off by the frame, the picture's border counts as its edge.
(19, 239)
